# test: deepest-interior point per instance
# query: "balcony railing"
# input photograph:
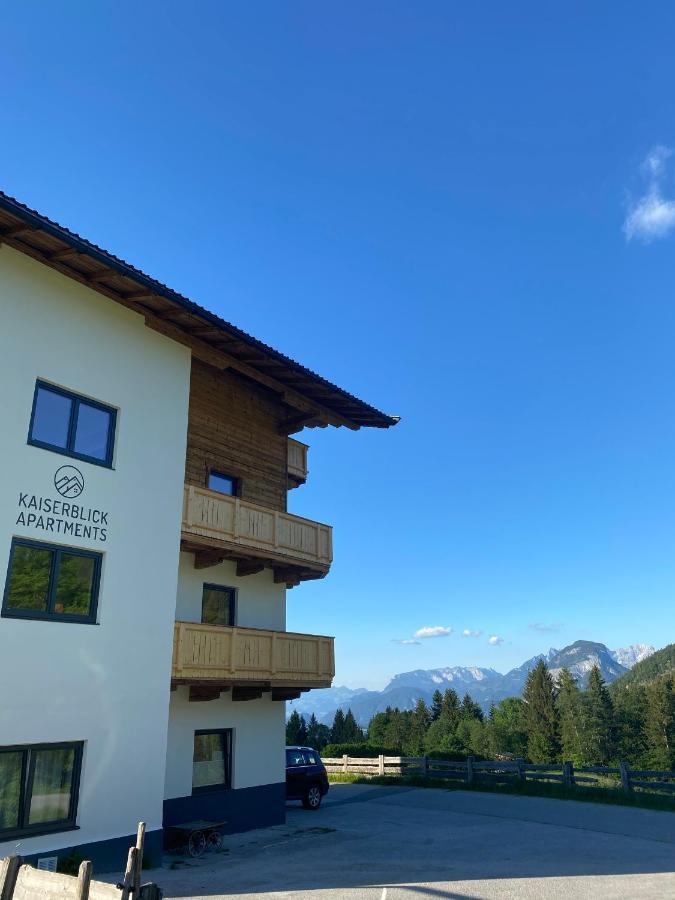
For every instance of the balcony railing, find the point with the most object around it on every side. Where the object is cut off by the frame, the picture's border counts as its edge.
(233, 521)
(215, 653)
(297, 462)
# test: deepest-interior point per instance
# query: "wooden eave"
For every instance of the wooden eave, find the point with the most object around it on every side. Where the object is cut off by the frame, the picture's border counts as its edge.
(312, 400)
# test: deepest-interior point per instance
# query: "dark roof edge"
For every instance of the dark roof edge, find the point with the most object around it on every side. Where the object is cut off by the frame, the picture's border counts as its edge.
(82, 245)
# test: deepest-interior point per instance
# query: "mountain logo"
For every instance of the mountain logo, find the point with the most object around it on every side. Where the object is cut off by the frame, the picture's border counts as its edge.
(69, 482)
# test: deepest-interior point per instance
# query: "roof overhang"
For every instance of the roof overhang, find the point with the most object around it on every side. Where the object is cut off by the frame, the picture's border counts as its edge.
(313, 400)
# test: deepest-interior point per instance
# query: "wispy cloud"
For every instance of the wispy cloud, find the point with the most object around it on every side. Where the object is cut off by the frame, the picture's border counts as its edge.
(652, 216)
(406, 641)
(494, 640)
(544, 628)
(433, 631)
(469, 633)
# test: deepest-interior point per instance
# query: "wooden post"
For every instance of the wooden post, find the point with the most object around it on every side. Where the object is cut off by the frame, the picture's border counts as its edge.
(83, 880)
(9, 869)
(567, 774)
(140, 842)
(520, 762)
(624, 770)
(127, 884)
(345, 763)
(469, 769)
(380, 764)
(425, 766)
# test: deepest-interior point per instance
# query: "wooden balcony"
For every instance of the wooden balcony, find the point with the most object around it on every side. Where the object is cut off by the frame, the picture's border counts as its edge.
(217, 526)
(297, 463)
(250, 661)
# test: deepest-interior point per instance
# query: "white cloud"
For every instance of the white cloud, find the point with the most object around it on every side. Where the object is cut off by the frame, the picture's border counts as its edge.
(494, 640)
(404, 641)
(433, 631)
(542, 627)
(469, 633)
(652, 216)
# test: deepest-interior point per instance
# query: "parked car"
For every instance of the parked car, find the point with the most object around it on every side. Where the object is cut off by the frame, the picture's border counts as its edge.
(306, 777)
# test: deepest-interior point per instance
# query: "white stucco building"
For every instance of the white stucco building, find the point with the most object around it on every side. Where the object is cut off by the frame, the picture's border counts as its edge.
(147, 549)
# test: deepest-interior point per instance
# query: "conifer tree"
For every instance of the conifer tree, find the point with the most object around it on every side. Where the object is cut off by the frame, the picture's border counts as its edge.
(660, 723)
(317, 734)
(351, 734)
(419, 723)
(541, 720)
(470, 710)
(436, 705)
(569, 704)
(598, 737)
(296, 729)
(337, 732)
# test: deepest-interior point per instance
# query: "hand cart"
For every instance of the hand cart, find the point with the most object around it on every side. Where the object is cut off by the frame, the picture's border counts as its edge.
(198, 836)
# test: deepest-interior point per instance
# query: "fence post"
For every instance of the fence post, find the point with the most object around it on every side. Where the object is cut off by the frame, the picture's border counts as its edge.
(425, 766)
(9, 870)
(83, 880)
(567, 774)
(345, 763)
(469, 769)
(380, 764)
(625, 777)
(520, 762)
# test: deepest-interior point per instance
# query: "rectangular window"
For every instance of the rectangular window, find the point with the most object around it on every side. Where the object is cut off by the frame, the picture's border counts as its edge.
(217, 605)
(212, 760)
(224, 484)
(46, 581)
(72, 425)
(39, 785)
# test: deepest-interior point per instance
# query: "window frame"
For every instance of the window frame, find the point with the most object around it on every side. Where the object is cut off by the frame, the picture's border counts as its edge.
(27, 777)
(227, 736)
(8, 612)
(69, 449)
(236, 482)
(233, 603)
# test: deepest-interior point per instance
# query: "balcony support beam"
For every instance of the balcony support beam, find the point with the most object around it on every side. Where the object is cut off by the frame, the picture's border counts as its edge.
(200, 693)
(246, 693)
(282, 694)
(249, 567)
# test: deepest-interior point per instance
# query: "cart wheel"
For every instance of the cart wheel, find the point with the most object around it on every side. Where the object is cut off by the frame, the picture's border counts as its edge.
(196, 843)
(214, 841)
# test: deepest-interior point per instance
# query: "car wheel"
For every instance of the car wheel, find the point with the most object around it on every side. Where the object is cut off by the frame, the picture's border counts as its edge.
(312, 798)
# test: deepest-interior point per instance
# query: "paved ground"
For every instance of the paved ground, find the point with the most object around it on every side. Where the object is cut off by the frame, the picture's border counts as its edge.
(381, 843)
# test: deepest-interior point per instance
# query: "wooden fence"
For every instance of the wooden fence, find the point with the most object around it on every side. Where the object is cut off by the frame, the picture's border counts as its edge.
(19, 881)
(512, 771)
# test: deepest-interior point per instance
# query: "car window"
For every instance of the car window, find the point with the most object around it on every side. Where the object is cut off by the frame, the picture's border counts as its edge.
(311, 758)
(295, 758)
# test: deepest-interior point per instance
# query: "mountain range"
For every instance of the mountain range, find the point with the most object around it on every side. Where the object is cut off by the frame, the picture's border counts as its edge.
(486, 686)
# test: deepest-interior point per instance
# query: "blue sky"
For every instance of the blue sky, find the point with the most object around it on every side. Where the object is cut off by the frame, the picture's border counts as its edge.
(465, 214)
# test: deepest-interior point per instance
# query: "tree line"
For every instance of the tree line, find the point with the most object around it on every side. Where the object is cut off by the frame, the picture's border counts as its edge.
(555, 721)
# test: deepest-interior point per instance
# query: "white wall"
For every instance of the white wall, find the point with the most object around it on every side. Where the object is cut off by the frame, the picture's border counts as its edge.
(258, 746)
(107, 684)
(260, 602)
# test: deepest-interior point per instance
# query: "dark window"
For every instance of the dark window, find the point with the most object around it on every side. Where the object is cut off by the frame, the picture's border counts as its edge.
(224, 484)
(212, 760)
(295, 758)
(311, 758)
(38, 788)
(72, 425)
(217, 605)
(45, 581)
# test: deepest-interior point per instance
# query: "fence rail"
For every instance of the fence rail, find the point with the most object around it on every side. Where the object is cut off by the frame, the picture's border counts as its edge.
(507, 771)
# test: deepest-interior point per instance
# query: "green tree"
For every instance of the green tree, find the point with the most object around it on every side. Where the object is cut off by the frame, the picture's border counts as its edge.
(569, 702)
(506, 729)
(470, 710)
(598, 721)
(296, 729)
(397, 730)
(442, 734)
(351, 734)
(377, 728)
(436, 705)
(660, 723)
(317, 734)
(419, 723)
(540, 717)
(337, 732)
(630, 704)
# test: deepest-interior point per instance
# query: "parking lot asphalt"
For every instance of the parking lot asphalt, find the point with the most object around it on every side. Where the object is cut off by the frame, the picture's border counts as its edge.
(391, 843)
